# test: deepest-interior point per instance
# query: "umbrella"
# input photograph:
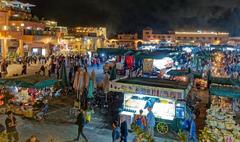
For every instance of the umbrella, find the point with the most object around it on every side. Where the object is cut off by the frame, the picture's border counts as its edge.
(76, 80)
(64, 81)
(93, 77)
(90, 89)
(85, 80)
(45, 83)
(79, 81)
(106, 82)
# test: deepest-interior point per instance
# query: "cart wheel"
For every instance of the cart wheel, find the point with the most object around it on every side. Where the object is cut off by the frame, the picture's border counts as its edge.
(162, 128)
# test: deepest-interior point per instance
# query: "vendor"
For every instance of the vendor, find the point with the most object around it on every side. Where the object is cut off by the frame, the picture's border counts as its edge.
(140, 120)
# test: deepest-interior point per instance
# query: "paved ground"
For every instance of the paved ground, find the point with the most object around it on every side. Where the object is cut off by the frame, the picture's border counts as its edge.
(65, 132)
(59, 125)
(33, 68)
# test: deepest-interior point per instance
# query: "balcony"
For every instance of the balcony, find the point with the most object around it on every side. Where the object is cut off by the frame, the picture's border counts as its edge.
(20, 18)
(38, 33)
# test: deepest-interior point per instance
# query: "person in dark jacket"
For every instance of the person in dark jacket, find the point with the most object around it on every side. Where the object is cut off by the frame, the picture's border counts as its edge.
(124, 129)
(80, 122)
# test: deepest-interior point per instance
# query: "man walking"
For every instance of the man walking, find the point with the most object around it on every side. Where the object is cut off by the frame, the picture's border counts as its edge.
(124, 129)
(11, 124)
(80, 122)
(150, 122)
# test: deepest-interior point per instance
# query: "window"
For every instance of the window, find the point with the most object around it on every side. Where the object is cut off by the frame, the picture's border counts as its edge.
(178, 38)
(169, 37)
(146, 32)
(216, 38)
(149, 36)
(197, 37)
(210, 38)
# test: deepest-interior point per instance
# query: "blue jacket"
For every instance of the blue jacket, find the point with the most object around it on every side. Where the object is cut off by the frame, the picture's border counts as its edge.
(150, 119)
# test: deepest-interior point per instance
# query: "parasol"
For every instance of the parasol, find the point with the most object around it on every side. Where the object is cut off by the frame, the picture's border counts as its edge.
(64, 80)
(85, 80)
(106, 82)
(90, 89)
(93, 77)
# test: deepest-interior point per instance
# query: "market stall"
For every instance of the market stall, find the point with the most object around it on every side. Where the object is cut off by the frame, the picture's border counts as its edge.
(166, 96)
(25, 98)
(222, 121)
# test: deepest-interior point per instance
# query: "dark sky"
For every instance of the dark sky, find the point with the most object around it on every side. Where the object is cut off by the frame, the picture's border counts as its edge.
(133, 15)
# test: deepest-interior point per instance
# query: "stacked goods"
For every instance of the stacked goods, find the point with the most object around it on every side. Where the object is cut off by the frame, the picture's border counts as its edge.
(220, 123)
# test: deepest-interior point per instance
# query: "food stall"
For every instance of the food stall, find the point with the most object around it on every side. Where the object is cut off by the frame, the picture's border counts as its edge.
(166, 96)
(115, 56)
(24, 98)
(222, 122)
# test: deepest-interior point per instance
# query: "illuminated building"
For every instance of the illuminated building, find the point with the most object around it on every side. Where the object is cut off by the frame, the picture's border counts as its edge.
(199, 37)
(89, 31)
(129, 41)
(21, 33)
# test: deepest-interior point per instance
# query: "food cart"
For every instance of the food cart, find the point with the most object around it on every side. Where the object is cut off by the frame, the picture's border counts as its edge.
(166, 95)
(25, 98)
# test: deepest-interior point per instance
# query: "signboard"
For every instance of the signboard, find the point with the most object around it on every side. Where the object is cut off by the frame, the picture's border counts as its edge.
(147, 90)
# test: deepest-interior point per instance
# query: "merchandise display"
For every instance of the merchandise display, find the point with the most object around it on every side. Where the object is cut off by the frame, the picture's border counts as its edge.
(220, 121)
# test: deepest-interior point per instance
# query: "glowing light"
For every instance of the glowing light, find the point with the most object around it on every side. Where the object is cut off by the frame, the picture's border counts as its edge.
(163, 63)
(22, 25)
(43, 52)
(35, 50)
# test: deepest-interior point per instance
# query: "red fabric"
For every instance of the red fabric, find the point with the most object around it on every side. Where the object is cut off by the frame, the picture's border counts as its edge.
(1, 103)
(119, 58)
(129, 61)
(1, 97)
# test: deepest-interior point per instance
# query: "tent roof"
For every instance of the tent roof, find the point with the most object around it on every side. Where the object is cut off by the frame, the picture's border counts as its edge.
(155, 82)
(230, 92)
(178, 72)
(225, 81)
(35, 81)
(115, 51)
(153, 55)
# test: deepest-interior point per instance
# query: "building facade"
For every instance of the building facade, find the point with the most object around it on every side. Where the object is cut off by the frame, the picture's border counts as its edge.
(22, 34)
(129, 41)
(199, 37)
(88, 31)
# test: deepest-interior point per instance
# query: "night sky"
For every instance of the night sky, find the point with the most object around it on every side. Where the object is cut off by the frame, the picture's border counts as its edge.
(134, 15)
